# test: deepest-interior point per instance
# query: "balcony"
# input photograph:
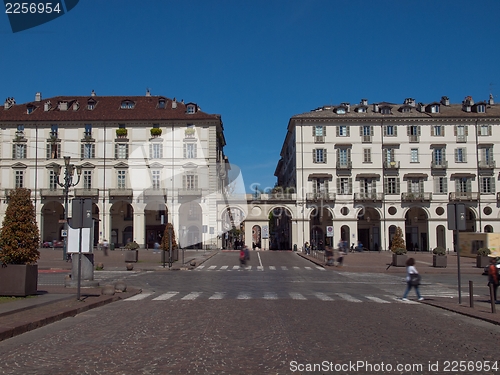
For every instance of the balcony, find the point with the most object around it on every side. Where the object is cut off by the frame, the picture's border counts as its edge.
(121, 193)
(464, 196)
(51, 193)
(367, 139)
(368, 197)
(87, 193)
(321, 196)
(461, 138)
(391, 164)
(487, 164)
(155, 194)
(319, 139)
(414, 138)
(281, 196)
(416, 197)
(442, 164)
(345, 165)
(189, 193)
(498, 197)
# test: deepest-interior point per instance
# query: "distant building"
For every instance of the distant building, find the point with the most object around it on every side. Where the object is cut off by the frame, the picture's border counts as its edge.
(145, 161)
(365, 169)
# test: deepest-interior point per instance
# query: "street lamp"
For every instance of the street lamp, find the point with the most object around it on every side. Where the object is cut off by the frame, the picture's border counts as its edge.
(69, 170)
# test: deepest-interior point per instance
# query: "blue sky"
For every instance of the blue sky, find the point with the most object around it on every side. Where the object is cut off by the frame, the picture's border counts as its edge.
(257, 63)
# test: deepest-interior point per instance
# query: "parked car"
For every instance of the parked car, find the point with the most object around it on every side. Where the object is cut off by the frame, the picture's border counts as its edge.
(55, 243)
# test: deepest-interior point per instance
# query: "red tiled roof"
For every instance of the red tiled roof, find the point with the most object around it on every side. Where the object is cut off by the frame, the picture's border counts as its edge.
(107, 108)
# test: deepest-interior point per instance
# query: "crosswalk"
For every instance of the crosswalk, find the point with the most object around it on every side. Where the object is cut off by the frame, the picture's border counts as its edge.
(257, 268)
(248, 295)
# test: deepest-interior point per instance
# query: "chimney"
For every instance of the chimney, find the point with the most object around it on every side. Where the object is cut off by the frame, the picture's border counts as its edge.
(364, 101)
(421, 107)
(347, 106)
(63, 106)
(38, 97)
(92, 93)
(410, 102)
(445, 100)
(375, 107)
(148, 92)
(490, 100)
(467, 104)
(46, 106)
(76, 106)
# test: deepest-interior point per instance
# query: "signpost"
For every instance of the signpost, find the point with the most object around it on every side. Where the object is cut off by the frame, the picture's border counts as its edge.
(82, 218)
(456, 223)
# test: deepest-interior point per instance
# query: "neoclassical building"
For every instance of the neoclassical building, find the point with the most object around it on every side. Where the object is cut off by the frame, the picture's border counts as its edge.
(144, 161)
(356, 172)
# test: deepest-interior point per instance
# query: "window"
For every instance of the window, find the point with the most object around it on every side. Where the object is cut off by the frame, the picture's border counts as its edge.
(88, 131)
(52, 180)
(155, 180)
(366, 132)
(414, 155)
(19, 177)
(487, 185)
(414, 132)
(342, 131)
(484, 130)
(190, 109)
(368, 187)
(127, 104)
(391, 185)
(340, 111)
(20, 128)
(344, 185)
(53, 150)
(121, 179)
(416, 186)
(481, 108)
(343, 157)
(441, 185)
(319, 155)
(87, 180)
(190, 150)
(190, 182)
(367, 155)
(87, 151)
(460, 155)
(121, 150)
(486, 157)
(461, 133)
(437, 130)
(319, 131)
(463, 185)
(161, 104)
(19, 151)
(385, 110)
(389, 155)
(54, 131)
(155, 150)
(438, 156)
(435, 108)
(390, 131)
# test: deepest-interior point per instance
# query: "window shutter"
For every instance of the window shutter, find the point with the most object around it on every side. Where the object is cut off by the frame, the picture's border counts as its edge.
(348, 155)
(324, 155)
(384, 154)
(492, 184)
(456, 155)
(361, 130)
(48, 150)
(489, 129)
(408, 130)
(385, 131)
(442, 130)
(116, 150)
(196, 182)
(93, 151)
(464, 155)
(373, 186)
(151, 151)
(455, 130)
(315, 186)
(184, 151)
(421, 186)
(432, 130)
(362, 186)
(126, 151)
(337, 129)
(469, 185)
(395, 127)
(324, 131)
(195, 151)
(418, 130)
(371, 130)
(398, 189)
(338, 185)
(386, 185)
(82, 150)
(466, 130)
(445, 185)
(350, 185)
(314, 156)
(479, 130)
(14, 151)
(325, 186)
(314, 131)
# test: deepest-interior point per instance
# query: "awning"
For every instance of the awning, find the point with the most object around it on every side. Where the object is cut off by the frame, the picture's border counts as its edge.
(319, 175)
(415, 175)
(367, 175)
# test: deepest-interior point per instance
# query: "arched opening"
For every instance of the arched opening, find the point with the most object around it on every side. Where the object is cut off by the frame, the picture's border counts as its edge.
(156, 218)
(416, 229)
(122, 223)
(256, 237)
(52, 215)
(190, 225)
(233, 236)
(369, 229)
(345, 233)
(470, 220)
(319, 220)
(392, 232)
(441, 236)
(488, 229)
(280, 229)
(95, 217)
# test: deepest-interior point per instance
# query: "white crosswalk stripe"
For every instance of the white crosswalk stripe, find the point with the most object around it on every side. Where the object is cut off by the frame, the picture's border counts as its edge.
(308, 268)
(273, 268)
(224, 267)
(260, 268)
(257, 268)
(165, 296)
(320, 268)
(236, 267)
(296, 268)
(284, 268)
(212, 267)
(191, 296)
(199, 268)
(266, 295)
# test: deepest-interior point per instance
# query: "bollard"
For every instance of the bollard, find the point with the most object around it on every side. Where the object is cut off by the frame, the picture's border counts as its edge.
(492, 298)
(471, 293)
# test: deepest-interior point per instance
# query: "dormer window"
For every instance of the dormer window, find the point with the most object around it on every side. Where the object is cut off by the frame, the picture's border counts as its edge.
(385, 110)
(30, 108)
(361, 109)
(161, 103)
(480, 108)
(434, 108)
(190, 109)
(91, 104)
(406, 109)
(127, 104)
(340, 111)
(88, 131)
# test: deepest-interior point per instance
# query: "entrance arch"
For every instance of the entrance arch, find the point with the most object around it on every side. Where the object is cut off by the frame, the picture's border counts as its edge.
(319, 220)
(52, 213)
(154, 214)
(190, 225)
(256, 237)
(416, 229)
(280, 228)
(369, 228)
(122, 223)
(441, 236)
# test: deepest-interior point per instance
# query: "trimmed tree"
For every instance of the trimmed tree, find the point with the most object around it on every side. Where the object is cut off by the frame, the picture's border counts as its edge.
(165, 241)
(398, 242)
(19, 236)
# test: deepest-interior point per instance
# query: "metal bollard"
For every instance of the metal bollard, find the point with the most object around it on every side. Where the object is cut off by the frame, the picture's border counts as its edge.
(471, 293)
(492, 299)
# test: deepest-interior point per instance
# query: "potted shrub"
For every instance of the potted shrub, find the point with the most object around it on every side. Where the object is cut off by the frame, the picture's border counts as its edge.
(189, 132)
(482, 259)
(439, 259)
(165, 242)
(121, 132)
(398, 249)
(19, 240)
(155, 132)
(132, 253)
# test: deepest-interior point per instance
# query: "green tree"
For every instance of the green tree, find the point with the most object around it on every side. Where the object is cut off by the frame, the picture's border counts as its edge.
(398, 242)
(19, 236)
(165, 241)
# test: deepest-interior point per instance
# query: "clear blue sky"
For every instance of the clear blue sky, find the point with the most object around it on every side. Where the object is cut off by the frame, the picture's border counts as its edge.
(258, 63)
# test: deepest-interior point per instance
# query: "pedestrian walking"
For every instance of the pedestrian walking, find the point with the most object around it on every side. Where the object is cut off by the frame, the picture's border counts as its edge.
(493, 277)
(329, 256)
(247, 253)
(412, 280)
(342, 252)
(307, 249)
(156, 247)
(105, 246)
(243, 258)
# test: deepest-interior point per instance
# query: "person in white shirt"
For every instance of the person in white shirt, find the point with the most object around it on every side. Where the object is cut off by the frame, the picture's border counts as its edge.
(411, 270)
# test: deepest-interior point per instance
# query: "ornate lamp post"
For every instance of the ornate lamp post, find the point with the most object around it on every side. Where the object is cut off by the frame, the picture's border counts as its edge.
(69, 170)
